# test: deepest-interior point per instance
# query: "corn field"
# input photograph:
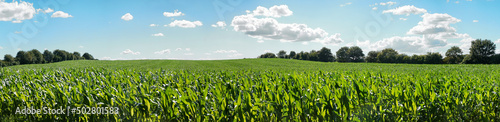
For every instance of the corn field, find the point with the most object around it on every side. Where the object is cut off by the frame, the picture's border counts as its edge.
(417, 94)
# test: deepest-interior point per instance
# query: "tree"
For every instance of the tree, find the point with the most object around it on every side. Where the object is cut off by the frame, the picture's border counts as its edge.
(266, 55)
(281, 54)
(387, 55)
(313, 56)
(372, 56)
(402, 58)
(342, 55)
(433, 58)
(454, 55)
(24, 57)
(325, 55)
(48, 56)
(77, 55)
(480, 51)
(37, 56)
(355, 54)
(9, 60)
(292, 55)
(59, 55)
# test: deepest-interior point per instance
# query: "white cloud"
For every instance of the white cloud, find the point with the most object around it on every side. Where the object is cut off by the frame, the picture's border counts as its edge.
(60, 14)
(174, 14)
(404, 19)
(48, 10)
(163, 52)
(185, 24)
(127, 17)
(274, 11)
(346, 4)
(1, 47)
(80, 47)
(374, 8)
(208, 53)
(435, 23)
(260, 41)
(390, 3)
(225, 51)
(188, 49)
(178, 49)
(331, 40)
(128, 51)
(153, 25)
(270, 29)
(158, 34)
(16, 11)
(498, 41)
(267, 51)
(18, 32)
(220, 24)
(188, 54)
(406, 10)
(475, 20)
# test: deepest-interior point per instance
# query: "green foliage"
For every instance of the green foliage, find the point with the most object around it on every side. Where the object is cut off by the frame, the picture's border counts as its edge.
(281, 54)
(480, 52)
(325, 55)
(342, 55)
(355, 54)
(268, 55)
(87, 56)
(372, 56)
(454, 55)
(253, 90)
(387, 55)
(433, 58)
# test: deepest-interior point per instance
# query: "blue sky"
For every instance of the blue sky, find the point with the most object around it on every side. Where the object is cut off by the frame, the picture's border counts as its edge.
(229, 29)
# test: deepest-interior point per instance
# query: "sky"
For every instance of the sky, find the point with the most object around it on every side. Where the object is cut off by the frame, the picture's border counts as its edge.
(235, 29)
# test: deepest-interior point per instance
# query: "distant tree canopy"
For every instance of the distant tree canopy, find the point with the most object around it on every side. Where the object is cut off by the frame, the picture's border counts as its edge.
(480, 52)
(36, 57)
(454, 55)
(324, 55)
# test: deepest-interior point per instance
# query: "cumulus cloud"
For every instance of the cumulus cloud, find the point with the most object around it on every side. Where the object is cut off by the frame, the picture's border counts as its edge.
(404, 19)
(406, 10)
(188, 49)
(374, 8)
(435, 23)
(274, 11)
(498, 41)
(219, 24)
(185, 24)
(158, 34)
(127, 17)
(346, 4)
(178, 49)
(174, 14)
(48, 10)
(153, 25)
(271, 29)
(16, 11)
(390, 3)
(61, 14)
(331, 40)
(475, 20)
(128, 51)
(161, 52)
(434, 30)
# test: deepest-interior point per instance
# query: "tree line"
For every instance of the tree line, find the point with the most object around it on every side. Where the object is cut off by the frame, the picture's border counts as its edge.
(36, 57)
(481, 52)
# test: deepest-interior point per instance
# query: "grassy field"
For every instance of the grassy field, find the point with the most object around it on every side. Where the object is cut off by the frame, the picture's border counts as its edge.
(254, 89)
